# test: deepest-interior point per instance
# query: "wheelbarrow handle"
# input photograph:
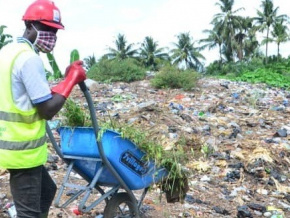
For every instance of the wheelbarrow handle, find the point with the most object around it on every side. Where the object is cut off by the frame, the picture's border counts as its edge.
(84, 88)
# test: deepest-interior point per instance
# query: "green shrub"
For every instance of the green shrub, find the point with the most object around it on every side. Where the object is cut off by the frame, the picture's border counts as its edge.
(275, 73)
(126, 70)
(268, 76)
(172, 77)
(74, 114)
(233, 68)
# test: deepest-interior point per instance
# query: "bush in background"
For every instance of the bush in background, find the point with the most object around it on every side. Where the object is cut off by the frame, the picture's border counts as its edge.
(127, 70)
(172, 77)
(269, 76)
(233, 68)
(275, 73)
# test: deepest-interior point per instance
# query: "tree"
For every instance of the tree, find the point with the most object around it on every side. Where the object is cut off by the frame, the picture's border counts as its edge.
(185, 53)
(267, 18)
(244, 37)
(4, 38)
(251, 44)
(214, 39)
(226, 23)
(280, 34)
(122, 50)
(89, 62)
(151, 55)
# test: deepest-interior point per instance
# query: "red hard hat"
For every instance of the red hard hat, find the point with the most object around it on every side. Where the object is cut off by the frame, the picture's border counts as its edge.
(45, 12)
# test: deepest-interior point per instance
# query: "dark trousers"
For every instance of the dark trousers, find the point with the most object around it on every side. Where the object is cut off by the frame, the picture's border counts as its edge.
(33, 191)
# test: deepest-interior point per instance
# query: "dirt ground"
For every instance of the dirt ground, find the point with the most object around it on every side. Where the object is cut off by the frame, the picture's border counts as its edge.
(247, 126)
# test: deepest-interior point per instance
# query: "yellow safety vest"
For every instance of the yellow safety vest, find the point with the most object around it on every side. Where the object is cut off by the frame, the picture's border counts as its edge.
(22, 133)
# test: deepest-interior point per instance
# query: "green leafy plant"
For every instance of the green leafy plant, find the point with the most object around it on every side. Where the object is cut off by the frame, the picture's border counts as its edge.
(74, 55)
(206, 150)
(172, 77)
(276, 73)
(4, 38)
(74, 115)
(120, 98)
(56, 71)
(127, 70)
(254, 98)
(268, 76)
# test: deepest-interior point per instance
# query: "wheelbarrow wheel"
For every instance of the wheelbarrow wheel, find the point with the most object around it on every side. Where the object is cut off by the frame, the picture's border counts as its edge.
(120, 205)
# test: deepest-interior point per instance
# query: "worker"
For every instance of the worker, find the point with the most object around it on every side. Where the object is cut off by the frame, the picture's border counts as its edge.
(27, 101)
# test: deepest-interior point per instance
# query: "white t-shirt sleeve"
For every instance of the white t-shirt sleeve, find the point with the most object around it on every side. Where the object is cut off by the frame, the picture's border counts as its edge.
(34, 79)
(29, 84)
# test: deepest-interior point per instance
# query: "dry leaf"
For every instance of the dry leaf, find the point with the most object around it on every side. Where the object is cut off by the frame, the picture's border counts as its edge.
(260, 153)
(199, 165)
(2, 171)
(239, 154)
(281, 188)
(221, 163)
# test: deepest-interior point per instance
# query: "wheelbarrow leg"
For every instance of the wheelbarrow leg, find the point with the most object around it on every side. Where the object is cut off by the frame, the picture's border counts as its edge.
(142, 197)
(63, 185)
(89, 188)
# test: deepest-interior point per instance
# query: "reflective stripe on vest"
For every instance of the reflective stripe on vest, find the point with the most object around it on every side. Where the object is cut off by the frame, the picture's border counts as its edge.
(13, 117)
(17, 131)
(22, 145)
(22, 133)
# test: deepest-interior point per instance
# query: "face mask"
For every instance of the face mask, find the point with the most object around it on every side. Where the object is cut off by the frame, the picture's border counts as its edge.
(45, 40)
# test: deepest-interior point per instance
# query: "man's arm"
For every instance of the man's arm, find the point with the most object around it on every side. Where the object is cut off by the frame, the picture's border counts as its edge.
(49, 108)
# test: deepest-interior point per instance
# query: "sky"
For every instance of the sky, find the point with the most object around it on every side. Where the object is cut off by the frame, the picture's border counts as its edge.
(91, 26)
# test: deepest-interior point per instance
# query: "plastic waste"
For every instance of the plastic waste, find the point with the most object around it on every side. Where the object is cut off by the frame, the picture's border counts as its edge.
(201, 114)
(11, 210)
(176, 106)
(277, 216)
(286, 102)
(276, 212)
(75, 210)
(53, 124)
(278, 108)
(243, 211)
(235, 95)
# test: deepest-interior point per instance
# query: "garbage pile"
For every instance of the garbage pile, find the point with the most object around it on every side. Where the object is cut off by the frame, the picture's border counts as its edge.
(238, 135)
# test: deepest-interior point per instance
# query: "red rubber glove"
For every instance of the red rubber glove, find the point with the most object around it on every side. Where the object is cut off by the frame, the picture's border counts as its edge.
(74, 74)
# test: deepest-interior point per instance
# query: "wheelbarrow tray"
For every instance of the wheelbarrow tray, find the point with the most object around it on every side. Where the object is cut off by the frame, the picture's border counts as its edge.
(123, 154)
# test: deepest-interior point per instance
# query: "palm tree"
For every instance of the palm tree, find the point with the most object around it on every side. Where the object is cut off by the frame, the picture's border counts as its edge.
(267, 18)
(186, 53)
(280, 34)
(251, 44)
(150, 54)
(4, 38)
(243, 33)
(214, 39)
(226, 24)
(122, 50)
(89, 61)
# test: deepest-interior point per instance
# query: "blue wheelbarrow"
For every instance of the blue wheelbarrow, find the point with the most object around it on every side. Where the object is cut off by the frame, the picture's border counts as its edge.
(112, 163)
